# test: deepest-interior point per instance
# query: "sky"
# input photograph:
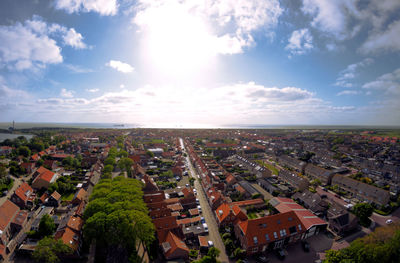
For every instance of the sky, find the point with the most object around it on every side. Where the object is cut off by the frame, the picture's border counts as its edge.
(203, 63)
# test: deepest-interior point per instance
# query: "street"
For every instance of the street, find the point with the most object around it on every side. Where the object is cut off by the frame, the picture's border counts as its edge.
(207, 213)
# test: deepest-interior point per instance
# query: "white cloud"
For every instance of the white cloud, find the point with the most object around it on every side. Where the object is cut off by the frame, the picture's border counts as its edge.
(120, 66)
(66, 93)
(93, 90)
(331, 16)
(237, 103)
(345, 76)
(348, 92)
(388, 83)
(78, 69)
(300, 42)
(31, 45)
(190, 32)
(103, 7)
(122, 86)
(388, 40)
(74, 39)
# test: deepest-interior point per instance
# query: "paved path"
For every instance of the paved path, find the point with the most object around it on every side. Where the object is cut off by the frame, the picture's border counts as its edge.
(380, 220)
(267, 196)
(330, 196)
(207, 213)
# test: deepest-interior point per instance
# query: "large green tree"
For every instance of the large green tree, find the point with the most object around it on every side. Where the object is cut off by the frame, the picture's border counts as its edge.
(382, 245)
(49, 250)
(363, 211)
(117, 217)
(46, 226)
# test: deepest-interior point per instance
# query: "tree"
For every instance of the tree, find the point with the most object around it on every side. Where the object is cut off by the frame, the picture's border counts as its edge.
(382, 246)
(49, 250)
(126, 164)
(3, 171)
(46, 226)
(193, 253)
(109, 161)
(122, 154)
(239, 253)
(363, 211)
(150, 154)
(108, 168)
(24, 151)
(116, 216)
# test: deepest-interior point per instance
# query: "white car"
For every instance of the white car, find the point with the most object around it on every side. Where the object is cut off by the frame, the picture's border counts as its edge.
(205, 226)
(389, 221)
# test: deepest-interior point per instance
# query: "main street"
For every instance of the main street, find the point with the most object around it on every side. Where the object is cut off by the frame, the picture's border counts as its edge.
(207, 213)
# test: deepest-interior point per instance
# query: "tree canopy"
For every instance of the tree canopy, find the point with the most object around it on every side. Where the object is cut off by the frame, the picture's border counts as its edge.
(382, 245)
(363, 211)
(117, 216)
(49, 250)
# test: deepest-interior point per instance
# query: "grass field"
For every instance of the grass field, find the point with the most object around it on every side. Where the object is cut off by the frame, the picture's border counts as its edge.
(67, 197)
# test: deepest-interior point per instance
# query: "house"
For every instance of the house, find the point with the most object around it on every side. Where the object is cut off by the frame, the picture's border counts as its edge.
(28, 167)
(24, 196)
(312, 201)
(70, 234)
(312, 224)
(80, 196)
(362, 191)
(316, 172)
(51, 164)
(340, 220)
(8, 211)
(269, 232)
(53, 200)
(43, 178)
(294, 179)
(229, 214)
(173, 247)
(19, 221)
(5, 150)
(292, 163)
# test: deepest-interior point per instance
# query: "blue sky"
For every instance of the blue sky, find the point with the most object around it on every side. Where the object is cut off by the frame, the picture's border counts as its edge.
(200, 63)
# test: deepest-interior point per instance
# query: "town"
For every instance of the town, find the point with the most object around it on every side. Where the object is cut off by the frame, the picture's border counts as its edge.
(185, 195)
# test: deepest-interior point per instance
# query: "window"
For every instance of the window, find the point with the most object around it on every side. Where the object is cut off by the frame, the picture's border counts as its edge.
(299, 227)
(279, 222)
(290, 219)
(292, 230)
(267, 237)
(275, 235)
(282, 232)
(262, 225)
(255, 240)
(255, 249)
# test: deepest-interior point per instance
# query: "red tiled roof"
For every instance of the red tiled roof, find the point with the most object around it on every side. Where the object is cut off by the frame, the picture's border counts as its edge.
(7, 213)
(24, 191)
(175, 243)
(75, 223)
(307, 218)
(56, 195)
(268, 225)
(168, 222)
(203, 241)
(44, 174)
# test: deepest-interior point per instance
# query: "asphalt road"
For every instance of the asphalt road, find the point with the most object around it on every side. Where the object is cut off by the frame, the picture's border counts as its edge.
(207, 213)
(330, 196)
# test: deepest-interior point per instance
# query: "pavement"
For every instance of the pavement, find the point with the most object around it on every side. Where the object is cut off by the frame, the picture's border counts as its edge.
(331, 196)
(267, 196)
(380, 220)
(17, 183)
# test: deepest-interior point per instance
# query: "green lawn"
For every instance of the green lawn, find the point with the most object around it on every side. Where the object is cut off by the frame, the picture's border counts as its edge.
(252, 215)
(272, 168)
(67, 197)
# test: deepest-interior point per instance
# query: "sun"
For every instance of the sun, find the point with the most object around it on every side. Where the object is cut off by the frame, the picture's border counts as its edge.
(176, 42)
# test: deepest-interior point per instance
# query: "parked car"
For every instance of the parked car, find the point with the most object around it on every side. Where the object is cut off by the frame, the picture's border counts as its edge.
(202, 220)
(280, 253)
(187, 185)
(205, 227)
(199, 207)
(389, 221)
(305, 245)
(262, 259)
(210, 243)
